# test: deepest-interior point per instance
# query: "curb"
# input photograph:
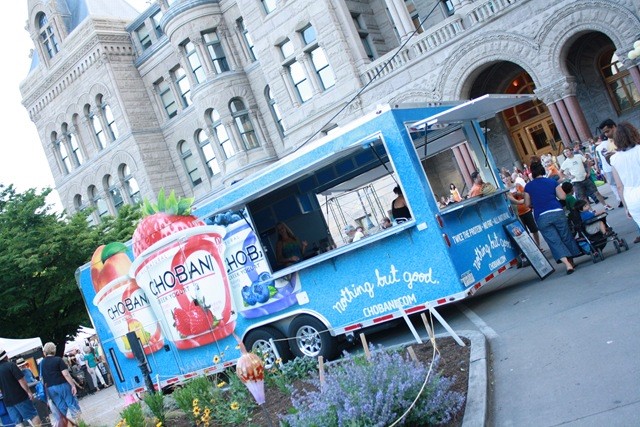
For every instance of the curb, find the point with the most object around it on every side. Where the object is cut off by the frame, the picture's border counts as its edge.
(475, 412)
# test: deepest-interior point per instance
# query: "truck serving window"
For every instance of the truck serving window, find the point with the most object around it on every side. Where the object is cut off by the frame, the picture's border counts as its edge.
(450, 153)
(330, 204)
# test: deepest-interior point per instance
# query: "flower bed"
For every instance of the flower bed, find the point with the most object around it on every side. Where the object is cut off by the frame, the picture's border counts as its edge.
(367, 393)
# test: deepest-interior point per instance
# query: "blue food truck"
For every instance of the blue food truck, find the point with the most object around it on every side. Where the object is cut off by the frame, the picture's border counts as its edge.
(188, 297)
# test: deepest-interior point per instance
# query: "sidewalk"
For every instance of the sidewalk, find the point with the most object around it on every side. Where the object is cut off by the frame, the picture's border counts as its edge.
(102, 409)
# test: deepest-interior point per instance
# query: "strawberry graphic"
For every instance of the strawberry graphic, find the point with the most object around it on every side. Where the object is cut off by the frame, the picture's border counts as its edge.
(194, 320)
(160, 220)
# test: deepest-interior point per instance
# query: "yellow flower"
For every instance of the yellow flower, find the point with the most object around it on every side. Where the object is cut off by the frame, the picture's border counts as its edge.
(278, 361)
(159, 424)
(234, 406)
(216, 359)
(195, 402)
(221, 384)
(196, 411)
(207, 412)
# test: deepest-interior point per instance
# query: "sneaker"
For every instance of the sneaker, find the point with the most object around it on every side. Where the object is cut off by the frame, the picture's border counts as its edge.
(608, 208)
(621, 205)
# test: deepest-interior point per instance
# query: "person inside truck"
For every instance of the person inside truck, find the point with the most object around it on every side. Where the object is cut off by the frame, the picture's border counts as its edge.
(480, 188)
(399, 208)
(289, 250)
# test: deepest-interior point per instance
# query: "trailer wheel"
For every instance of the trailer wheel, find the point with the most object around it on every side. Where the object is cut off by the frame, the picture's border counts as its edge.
(311, 338)
(257, 341)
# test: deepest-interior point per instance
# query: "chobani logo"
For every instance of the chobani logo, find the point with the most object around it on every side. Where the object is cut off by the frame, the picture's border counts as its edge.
(247, 255)
(181, 274)
(134, 302)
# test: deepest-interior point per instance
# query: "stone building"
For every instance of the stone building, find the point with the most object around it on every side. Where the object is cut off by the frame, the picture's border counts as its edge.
(194, 95)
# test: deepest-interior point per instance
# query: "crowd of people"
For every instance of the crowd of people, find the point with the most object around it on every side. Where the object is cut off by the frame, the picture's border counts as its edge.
(551, 191)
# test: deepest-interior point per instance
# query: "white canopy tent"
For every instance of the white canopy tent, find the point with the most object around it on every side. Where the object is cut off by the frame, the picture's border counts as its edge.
(14, 347)
(78, 342)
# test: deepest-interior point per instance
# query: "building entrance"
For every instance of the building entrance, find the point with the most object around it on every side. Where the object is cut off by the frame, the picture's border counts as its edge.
(530, 124)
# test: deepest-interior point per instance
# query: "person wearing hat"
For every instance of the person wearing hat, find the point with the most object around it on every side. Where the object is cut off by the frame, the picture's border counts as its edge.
(17, 395)
(28, 375)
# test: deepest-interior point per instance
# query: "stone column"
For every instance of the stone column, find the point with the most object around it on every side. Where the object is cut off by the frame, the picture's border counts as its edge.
(227, 45)
(234, 136)
(566, 119)
(305, 60)
(203, 55)
(557, 120)
(577, 117)
(289, 85)
(400, 17)
(220, 156)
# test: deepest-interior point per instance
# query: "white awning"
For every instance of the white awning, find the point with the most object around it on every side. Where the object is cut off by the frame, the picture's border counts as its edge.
(14, 347)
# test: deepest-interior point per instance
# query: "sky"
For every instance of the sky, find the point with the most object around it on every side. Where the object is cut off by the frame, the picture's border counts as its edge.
(22, 159)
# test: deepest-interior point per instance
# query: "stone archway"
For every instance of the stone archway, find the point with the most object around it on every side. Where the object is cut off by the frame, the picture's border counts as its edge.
(529, 126)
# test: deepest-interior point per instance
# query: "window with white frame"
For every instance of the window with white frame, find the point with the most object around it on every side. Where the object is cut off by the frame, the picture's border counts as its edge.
(166, 96)
(448, 7)
(216, 52)
(248, 40)
(130, 185)
(182, 82)
(268, 5)
(142, 32)
(243, 123)
(155, 18)
(75, 149)
(295, 69)
(111, 121)
(207, 152)
(220, 134)
(96, 127)
(47, 36)
(63, 153)
(194, 61)
(363, 33)
(275, 111)
(98, 202)
(190, 163)
(114, 193)
(318, 58)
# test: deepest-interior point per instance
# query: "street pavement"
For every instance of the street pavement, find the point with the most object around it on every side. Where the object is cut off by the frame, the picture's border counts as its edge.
(562, 351)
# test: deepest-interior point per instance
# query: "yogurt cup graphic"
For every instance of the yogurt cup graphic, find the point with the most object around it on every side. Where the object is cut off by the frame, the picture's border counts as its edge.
(255, 292)
(126, 308)
(185, 279)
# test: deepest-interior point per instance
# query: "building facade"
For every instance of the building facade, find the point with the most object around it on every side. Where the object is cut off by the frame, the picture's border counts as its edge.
(193, 95)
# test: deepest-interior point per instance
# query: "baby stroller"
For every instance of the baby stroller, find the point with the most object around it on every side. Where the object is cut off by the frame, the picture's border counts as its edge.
(593, 243)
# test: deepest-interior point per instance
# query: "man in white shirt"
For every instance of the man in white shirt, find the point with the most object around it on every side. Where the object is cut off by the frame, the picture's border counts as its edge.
(575, 169)
(605, 150)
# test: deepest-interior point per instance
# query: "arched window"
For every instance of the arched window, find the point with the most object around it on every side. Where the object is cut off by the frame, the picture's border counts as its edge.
(98, 202)
(63, 153)
(221, 135)
(618, 81)
(243, 123)
(523, 84)
(77, 202)
(130, 184)
(190, 163)
(206, 149)
(76, 155)
(275, 111)
(114, 193)
(111, 122)
(96, 127)
(47, 36)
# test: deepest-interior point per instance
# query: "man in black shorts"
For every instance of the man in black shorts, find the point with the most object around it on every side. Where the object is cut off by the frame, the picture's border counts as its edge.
(17, 396)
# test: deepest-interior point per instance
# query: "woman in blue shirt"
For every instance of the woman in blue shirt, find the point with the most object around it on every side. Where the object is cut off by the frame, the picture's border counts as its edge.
(543, 195)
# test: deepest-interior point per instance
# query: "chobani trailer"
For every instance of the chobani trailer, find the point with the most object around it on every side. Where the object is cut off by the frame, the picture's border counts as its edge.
(187, 284)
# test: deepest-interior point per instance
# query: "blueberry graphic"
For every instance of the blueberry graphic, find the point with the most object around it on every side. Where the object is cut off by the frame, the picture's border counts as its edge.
(235, 217)
(265, 279)
(261, 291)
(248, 296)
